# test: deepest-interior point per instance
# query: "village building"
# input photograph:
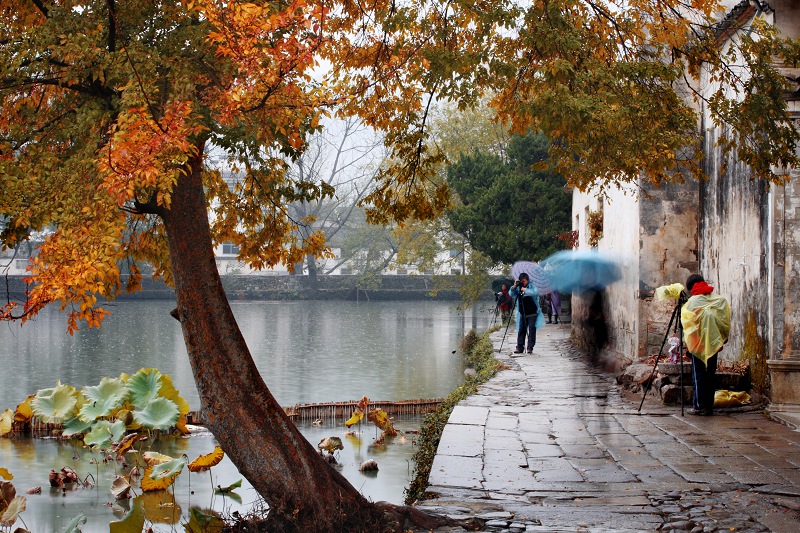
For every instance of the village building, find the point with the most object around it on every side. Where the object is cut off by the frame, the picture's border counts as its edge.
(742, 234)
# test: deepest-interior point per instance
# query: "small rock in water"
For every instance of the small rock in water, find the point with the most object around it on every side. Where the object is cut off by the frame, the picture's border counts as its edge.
(368, 466)
(470, 372)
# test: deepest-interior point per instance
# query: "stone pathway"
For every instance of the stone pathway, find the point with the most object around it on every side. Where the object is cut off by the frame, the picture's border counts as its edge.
(552, 444)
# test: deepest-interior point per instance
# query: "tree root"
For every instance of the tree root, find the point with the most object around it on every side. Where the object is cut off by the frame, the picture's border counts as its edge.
(406, 513)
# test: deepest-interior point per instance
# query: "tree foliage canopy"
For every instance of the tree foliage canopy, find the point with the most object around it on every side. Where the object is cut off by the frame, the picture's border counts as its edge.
(105, 101)
(506, 210)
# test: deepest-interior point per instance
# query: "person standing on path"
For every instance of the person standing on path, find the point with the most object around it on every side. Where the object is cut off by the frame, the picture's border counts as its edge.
(529, 316)
(504, 303)
(706, 321)
(555, 305)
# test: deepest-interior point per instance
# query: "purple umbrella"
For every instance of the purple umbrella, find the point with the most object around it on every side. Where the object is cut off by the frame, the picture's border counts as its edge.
(538, 277)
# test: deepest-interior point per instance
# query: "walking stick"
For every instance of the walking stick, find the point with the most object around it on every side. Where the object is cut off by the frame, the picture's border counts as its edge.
(649, 382)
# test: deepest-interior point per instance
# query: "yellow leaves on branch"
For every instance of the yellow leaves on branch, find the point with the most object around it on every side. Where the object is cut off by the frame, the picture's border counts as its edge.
(273, 51)
(144, 157)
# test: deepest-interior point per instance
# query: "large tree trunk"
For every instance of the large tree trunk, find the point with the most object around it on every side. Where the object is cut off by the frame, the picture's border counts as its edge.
(302, 490)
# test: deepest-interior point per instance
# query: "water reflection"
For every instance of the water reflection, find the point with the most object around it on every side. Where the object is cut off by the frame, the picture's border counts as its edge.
(306, 351)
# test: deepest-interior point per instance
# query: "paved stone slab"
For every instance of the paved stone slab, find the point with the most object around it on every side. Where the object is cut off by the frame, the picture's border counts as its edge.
(452, 471)
(463, 414)
(465, 441)
(553, 443)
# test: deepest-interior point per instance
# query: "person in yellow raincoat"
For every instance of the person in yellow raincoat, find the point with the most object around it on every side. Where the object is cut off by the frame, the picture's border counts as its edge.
(706, 321)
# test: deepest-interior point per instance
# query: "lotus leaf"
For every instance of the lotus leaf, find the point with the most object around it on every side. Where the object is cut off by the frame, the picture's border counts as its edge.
(358, 416)
(125, 444)
(74, 525)
(5, 474)
(229, 488)
(363, 403)
(201, 521)
(155, 458)
(6, 422)
(75, 426)
(99, 435)
(124, 415)
(7, 493)
(133, 521)
(160, 507)
(103, 399)
(169, 392)
(53, 406)
(117, 430)
(144, 387)
(149, 484)
(159, 414)
(120, 488)
(24, 411)
(171, 468)
(181, 425)
(16, 506)
(331, 444)
(380, 418)
(204, 462)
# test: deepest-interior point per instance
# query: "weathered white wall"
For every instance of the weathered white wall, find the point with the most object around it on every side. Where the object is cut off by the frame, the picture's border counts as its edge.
(621, 241)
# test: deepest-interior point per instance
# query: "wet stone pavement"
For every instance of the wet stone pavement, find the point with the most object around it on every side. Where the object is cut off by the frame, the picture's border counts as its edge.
(552, 444)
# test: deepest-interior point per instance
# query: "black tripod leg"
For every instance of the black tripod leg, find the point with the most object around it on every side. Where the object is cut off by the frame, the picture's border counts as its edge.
(649, 382)
(514, 309)
(680, 353)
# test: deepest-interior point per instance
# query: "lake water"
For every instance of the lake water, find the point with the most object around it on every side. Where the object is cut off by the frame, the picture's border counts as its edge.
(307, 351)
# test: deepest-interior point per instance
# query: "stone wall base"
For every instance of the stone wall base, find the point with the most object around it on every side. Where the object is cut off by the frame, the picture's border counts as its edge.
(784, 381)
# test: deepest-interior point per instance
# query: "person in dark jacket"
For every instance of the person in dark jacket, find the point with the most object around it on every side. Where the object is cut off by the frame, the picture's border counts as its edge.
(529, 316)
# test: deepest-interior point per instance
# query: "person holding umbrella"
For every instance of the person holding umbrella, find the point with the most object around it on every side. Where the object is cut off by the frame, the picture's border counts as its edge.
(529, 316)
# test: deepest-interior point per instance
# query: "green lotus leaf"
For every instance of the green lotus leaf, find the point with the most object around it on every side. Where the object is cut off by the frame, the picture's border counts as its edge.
(100, 434)
(53, 406)
(201, 520)
(159, 414)
(169, 392)
(133, 521)
(16, 506)
(74, 525)
(117, 430)
(75, 426)
(169, 469)
(144, 386)
(229, 489)
(103, 399)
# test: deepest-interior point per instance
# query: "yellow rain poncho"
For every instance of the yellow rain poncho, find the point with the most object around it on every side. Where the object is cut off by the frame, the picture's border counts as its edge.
(706, 321)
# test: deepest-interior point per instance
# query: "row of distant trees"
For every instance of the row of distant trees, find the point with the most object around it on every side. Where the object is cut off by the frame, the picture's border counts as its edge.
(503, 209)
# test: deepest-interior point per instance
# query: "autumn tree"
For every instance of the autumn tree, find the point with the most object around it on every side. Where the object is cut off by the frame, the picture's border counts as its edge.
(109, 105)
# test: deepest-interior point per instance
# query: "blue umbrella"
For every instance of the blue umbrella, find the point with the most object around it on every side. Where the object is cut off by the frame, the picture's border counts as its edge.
(580, 270)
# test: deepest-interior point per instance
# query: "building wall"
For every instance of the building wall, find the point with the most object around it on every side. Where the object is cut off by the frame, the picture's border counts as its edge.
(668, 254)
(620, 232)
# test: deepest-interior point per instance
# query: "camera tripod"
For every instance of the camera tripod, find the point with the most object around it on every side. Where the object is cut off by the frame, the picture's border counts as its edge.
(677, 328)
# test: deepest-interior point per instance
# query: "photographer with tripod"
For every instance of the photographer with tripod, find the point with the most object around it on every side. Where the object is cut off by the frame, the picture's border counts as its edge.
(706, 321)
(529, 316)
